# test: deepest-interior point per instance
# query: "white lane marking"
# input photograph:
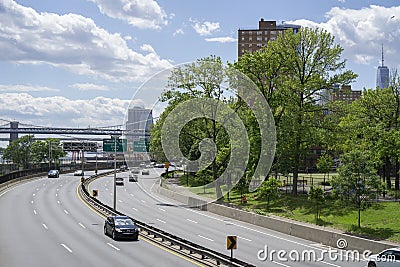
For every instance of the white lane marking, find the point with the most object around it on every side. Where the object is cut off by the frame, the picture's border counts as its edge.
(161, 221)
(66, 212)
(280, 264)
(45, 226)
(33, 194)
(119, 200)
(31, 201)
(56, 195)
(37, 189)
(114, 247)
(67, 248)
(143, 201)
(125, 189)
(58, 202)
(161, 209)
(191, 221)
(6, 191)
(57, 189)
(82, 225)
(132, 195)
(206, 238)
(34, 212)
(244, 238)
(328, 263)
(134, 209)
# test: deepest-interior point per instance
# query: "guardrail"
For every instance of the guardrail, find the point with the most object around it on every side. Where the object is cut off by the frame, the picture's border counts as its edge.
(184, 247)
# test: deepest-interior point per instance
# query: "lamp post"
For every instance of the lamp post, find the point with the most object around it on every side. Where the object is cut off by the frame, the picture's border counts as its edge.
(115, 170)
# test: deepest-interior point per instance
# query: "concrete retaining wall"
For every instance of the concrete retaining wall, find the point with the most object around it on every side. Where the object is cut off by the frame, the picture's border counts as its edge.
(322, 235)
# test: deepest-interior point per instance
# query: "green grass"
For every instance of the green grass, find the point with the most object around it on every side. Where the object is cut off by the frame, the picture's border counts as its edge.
(380, 221)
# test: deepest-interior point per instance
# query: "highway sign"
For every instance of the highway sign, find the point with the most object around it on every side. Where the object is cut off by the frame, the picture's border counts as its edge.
(141, 146)
(109, 145)
(231, 242)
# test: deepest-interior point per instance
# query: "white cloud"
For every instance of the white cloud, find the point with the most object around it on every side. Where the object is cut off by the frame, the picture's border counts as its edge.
(45, 111)
(178, 31)
(72, 42)
(141, 14)
(89, 87)
(226, 39)
(147, 48)
(361, 32)
(207, 28)
(26, 88)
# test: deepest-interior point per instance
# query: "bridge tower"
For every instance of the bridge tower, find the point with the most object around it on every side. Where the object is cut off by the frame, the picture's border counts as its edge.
(13, 136)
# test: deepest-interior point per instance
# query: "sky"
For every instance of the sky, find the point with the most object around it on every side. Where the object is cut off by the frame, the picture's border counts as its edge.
(78, 63)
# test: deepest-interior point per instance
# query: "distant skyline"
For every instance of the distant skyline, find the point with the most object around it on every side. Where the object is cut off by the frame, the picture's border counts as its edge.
(78, 63)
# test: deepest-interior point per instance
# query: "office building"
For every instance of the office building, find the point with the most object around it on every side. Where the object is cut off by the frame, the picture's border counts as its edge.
(250, 40)
(139, 119)
(382, 75)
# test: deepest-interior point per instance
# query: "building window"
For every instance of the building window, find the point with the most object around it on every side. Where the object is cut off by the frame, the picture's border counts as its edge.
(242, 51)
(259, 45)
(259, 33)
(242, 45)
(250, 38)
(273, 38)
(272, 32)
(242, 38)
(250, 45)
(250, 32)
(259, 38)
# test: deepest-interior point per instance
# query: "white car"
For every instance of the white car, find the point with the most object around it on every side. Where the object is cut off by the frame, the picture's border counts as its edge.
(387, 258)
(78, 173)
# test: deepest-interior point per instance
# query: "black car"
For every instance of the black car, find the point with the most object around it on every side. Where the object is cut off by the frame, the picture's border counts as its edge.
(119, 181)
(53, 174)
(133, 177)
(121, 227)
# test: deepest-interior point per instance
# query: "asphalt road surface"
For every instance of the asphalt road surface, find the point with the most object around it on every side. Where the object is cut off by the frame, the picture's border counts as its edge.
(44, 223)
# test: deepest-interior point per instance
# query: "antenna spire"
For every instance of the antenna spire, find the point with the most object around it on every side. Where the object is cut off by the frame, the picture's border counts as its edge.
(382, 57)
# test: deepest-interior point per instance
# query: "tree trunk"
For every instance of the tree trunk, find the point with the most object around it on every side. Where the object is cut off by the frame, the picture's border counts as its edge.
(397, 179)
(387, 172)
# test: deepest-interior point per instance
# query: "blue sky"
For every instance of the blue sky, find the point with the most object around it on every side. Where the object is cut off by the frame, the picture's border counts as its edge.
(75, 63)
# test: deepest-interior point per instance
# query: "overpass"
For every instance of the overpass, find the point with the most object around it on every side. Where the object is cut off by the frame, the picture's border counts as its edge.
(13, 128)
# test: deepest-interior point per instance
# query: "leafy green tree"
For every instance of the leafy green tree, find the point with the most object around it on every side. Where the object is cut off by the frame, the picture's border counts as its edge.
(312, 62)
(324, 164)
(19, 151)
(317, 196)
(357, 182)
(269, 189)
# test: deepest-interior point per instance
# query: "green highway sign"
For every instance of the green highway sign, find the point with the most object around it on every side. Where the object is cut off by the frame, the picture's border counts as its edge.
(141, 146)
(109, 145)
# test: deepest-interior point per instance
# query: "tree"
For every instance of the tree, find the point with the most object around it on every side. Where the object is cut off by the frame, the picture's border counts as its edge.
(269, 189)
(317, 196)
(197, 117)
(312, 62)
(324, 165)
(357, 182)
(19, 150)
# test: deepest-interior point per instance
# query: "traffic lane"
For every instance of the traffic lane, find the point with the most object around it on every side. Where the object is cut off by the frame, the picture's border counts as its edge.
(253, 239)
(45, 240)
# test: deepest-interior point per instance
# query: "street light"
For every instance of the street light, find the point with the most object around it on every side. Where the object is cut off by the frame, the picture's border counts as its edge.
(115, 170)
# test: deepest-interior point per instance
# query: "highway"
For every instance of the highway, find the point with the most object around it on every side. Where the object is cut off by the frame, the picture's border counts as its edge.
(44, 223)
(210, 230)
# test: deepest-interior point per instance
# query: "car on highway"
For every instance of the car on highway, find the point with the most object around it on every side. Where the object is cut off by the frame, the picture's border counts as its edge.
(386, 258)
(53, 174)
(121, 227)
(119, 181)
(145, 172)
(133, 177)
(79, 173)
(123, 168)
(135, 170)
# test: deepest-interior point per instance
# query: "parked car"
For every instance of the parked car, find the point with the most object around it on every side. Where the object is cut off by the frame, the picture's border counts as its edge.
(121, 227)
(53, 174)
(386, 258)
(119, 181)
(79, 173)
(133, 177)
(145, 172)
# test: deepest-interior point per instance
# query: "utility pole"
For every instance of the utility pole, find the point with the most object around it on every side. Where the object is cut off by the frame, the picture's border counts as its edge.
(115, 170)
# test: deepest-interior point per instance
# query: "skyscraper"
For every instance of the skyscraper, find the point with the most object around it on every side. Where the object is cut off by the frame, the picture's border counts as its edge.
(382, 75)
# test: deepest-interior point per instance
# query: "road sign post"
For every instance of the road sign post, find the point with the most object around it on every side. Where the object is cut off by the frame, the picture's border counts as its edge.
(231, 243)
